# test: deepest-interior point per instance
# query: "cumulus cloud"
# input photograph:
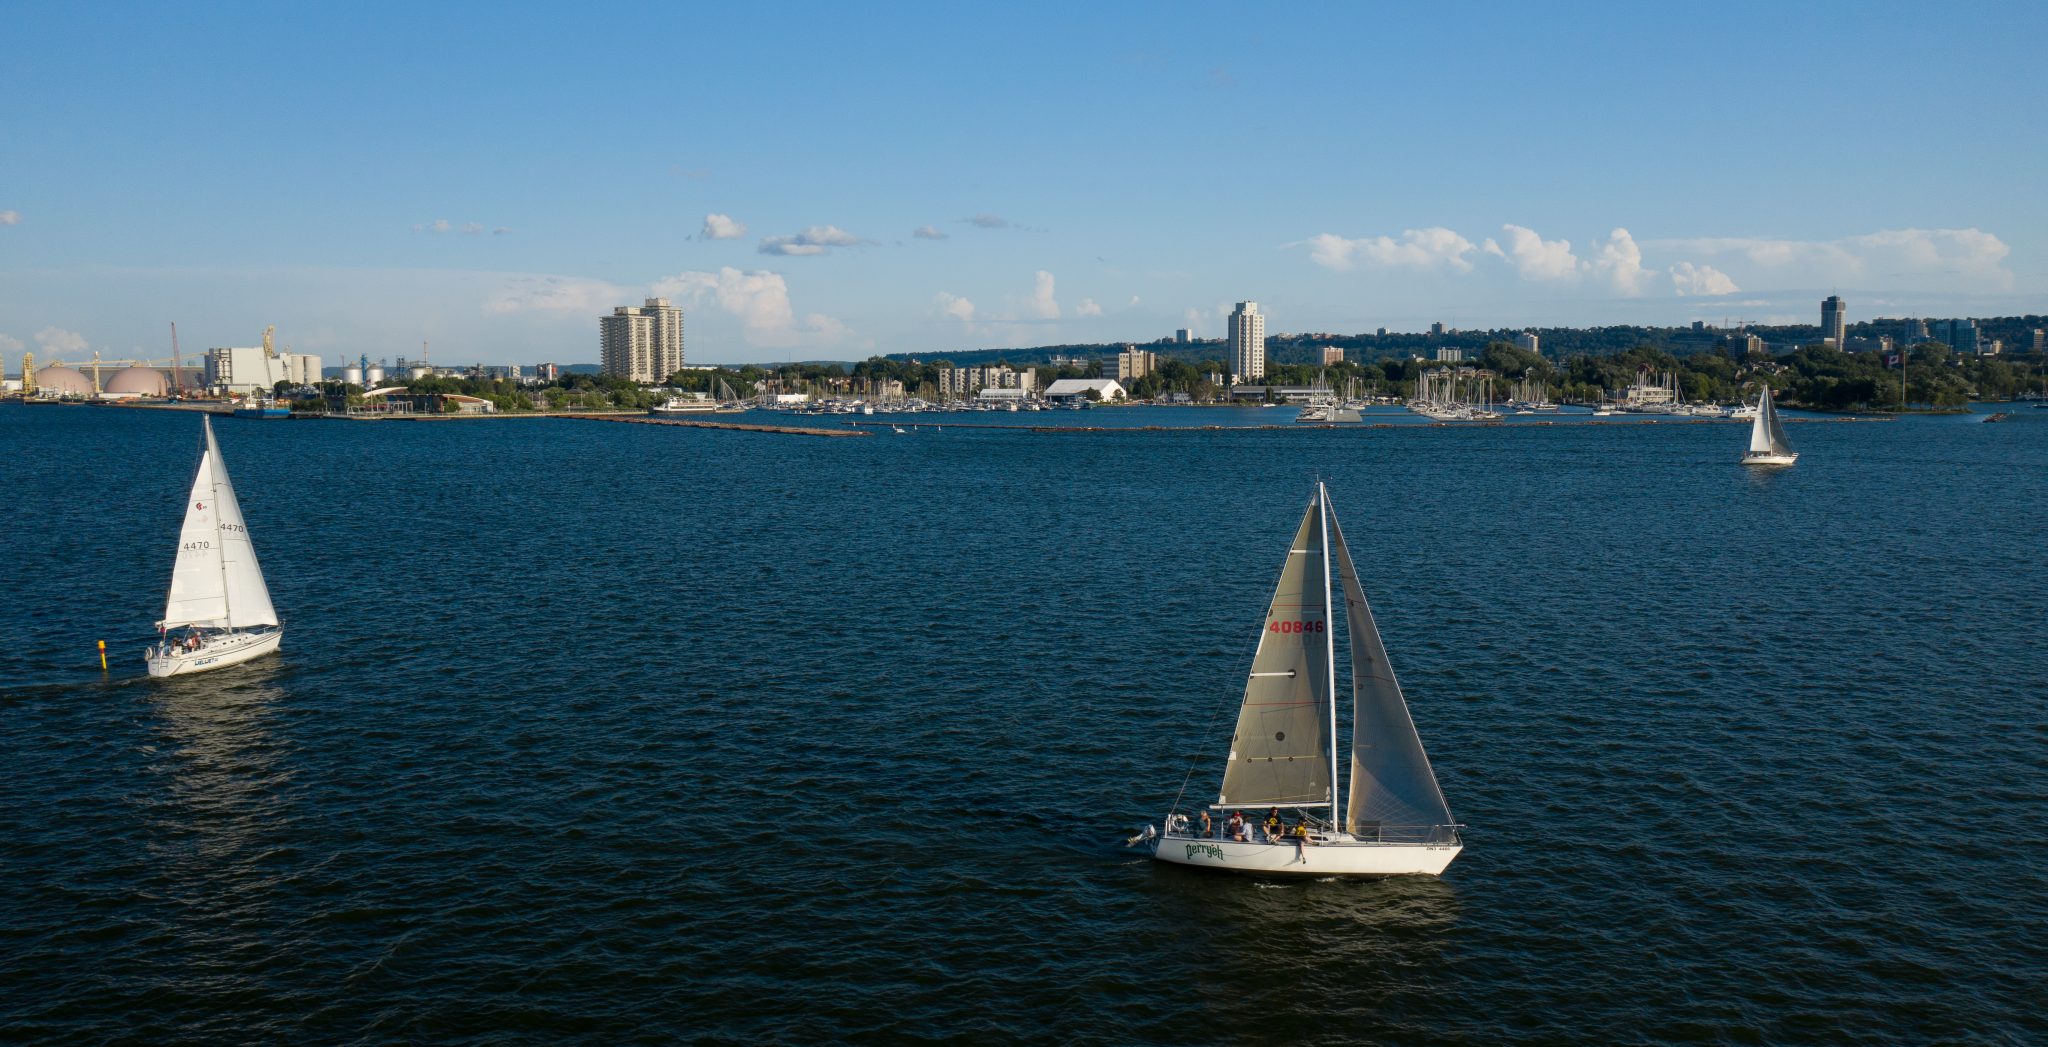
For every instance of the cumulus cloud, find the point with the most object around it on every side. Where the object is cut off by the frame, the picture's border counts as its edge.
(1042, 304)
(928, 232)
(1620, 262)
(722, 227)
(502, 231)
(1431, 248)
(816, 239)
(554, 294)
(955, 306)
(1690, 279)
(58, 341)
(10, 217)
(1087, 308)
(472, 229)
(759, 300)
(990, 221)
(1969, 259)
(9, 344)
(1533, 256)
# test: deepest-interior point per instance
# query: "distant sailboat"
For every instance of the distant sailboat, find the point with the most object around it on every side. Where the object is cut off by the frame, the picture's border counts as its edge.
(1767, 445)
(217, 591)
(1284, 752)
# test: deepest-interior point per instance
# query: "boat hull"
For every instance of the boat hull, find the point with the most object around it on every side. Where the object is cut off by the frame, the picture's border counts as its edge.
(1325, 859)
(1769, 459)
(217, 653)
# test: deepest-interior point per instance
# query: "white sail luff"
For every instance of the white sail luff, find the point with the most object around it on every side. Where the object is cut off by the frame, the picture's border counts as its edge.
(1329, 644)
(248, 598)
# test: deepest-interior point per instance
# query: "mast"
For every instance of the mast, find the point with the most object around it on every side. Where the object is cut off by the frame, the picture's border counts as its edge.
(1329, 643)
(212, 456)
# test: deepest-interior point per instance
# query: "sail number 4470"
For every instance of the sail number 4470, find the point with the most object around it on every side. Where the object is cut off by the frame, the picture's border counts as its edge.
(1295, 627)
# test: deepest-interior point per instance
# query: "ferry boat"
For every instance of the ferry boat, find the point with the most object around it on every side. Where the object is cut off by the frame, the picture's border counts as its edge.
(676, 405)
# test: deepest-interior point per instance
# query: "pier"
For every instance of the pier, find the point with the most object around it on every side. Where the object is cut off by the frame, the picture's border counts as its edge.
(694, 423)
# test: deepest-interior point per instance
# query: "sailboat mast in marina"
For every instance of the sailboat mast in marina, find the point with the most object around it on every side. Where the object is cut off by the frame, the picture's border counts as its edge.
(1283, 753)
(1767, 445)
(217, 593)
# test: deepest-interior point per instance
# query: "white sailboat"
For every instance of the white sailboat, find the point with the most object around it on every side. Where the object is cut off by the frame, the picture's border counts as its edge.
(1767, 444)
(217, 593)
(1283, 754)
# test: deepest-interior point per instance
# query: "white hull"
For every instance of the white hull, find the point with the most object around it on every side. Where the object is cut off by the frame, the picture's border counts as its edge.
(218, 652)
(1766, 458)
(1343, 857)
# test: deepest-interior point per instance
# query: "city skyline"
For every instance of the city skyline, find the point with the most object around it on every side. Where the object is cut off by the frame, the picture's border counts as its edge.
(931, 182)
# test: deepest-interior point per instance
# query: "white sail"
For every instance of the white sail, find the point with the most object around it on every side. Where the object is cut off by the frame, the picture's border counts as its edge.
(1392, 785)
(1280, 753)
(1766, 434)
(216, 582)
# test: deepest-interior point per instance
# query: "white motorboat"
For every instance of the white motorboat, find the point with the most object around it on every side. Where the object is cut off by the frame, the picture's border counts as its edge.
(1283, 755)
(217, 592)
(679, 405)
(1767, 445)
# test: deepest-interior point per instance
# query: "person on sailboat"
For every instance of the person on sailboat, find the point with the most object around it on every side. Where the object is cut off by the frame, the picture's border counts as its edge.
(1206, 826)
(1300, 835)
(1235, 827)
(1273, 825)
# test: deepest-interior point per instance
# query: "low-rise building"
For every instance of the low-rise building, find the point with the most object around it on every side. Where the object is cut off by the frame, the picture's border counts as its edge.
(1333, 354)
(241, 369)
(1105, 389)
(966, 381)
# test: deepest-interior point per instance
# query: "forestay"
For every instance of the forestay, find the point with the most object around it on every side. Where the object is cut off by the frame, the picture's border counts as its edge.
(1391, 781)
(216, 582)
(1280, 753)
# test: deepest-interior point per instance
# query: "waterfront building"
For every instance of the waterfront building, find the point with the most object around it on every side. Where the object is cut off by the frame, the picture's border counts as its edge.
(1333, 354)
(238, 370)
(1106, 389)
(966, 381)
(1527, 341)
(1833, 325)
(547, 372)
(1247, 343)
(1182, 336)
(643, 343)
(1130, 365)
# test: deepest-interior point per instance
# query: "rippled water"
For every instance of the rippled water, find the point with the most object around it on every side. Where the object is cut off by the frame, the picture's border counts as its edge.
(614, 731)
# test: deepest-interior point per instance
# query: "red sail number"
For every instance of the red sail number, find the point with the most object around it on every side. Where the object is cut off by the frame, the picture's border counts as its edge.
(1295, 627)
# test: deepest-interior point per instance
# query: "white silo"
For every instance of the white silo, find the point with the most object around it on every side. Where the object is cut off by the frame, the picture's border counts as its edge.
(418, 371)
(373, 377)
(352, 374)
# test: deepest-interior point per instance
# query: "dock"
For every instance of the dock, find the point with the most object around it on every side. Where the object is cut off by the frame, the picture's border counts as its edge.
(1535, 424)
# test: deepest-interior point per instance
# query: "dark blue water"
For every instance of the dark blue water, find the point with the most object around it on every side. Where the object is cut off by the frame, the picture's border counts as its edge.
(615, 732)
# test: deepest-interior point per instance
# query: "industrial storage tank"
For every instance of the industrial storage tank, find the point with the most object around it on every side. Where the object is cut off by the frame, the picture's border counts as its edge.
(374, 377)
(139, 381)
(59, 380)
(352, 374)
(417, 371)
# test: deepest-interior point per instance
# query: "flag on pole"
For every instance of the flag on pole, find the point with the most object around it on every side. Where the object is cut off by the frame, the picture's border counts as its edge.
(1893, 359)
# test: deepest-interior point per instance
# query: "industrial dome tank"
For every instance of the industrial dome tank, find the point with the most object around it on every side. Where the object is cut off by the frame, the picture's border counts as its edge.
(59, 380)
(139, 381)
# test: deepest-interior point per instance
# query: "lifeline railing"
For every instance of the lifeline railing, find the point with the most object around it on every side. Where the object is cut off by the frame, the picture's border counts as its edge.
(1370, 832)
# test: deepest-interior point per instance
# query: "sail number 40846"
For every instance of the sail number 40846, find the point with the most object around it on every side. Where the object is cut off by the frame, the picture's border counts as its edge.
(1295, 627)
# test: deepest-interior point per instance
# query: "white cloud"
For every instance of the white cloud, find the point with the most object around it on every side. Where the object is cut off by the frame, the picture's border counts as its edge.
(1957, 259)
(1134, 300)
(1690, 279)
(817, 239)
(555, 294)
(472, 229)
(56, 340)
(1431, 248)
(1533, 256)
(1087, 308)
(1620, 262)
(955, 306)
(10, 217)
(9, 344)
(438, 225)
(928, 232)
(759, 300)
(1042, 304)
(722, 227)
(990, 221)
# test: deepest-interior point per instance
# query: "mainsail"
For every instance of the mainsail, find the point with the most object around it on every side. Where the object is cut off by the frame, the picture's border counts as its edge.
(1766, 435)
(1280, 754)
(1391, 781)
(216, 582)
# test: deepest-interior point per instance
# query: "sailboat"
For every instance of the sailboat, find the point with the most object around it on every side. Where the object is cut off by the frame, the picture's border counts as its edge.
(217, 592)
(1284, 752)
(1767, 444)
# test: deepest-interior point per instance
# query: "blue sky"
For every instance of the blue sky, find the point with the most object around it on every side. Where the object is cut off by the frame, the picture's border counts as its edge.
(491, 178)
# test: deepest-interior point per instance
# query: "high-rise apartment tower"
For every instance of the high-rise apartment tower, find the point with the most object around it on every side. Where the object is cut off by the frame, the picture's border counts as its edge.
(643, 343)
(1833, 328)
(1247, 343)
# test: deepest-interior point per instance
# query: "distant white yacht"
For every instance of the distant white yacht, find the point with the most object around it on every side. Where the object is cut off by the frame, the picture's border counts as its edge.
(1767, 445)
